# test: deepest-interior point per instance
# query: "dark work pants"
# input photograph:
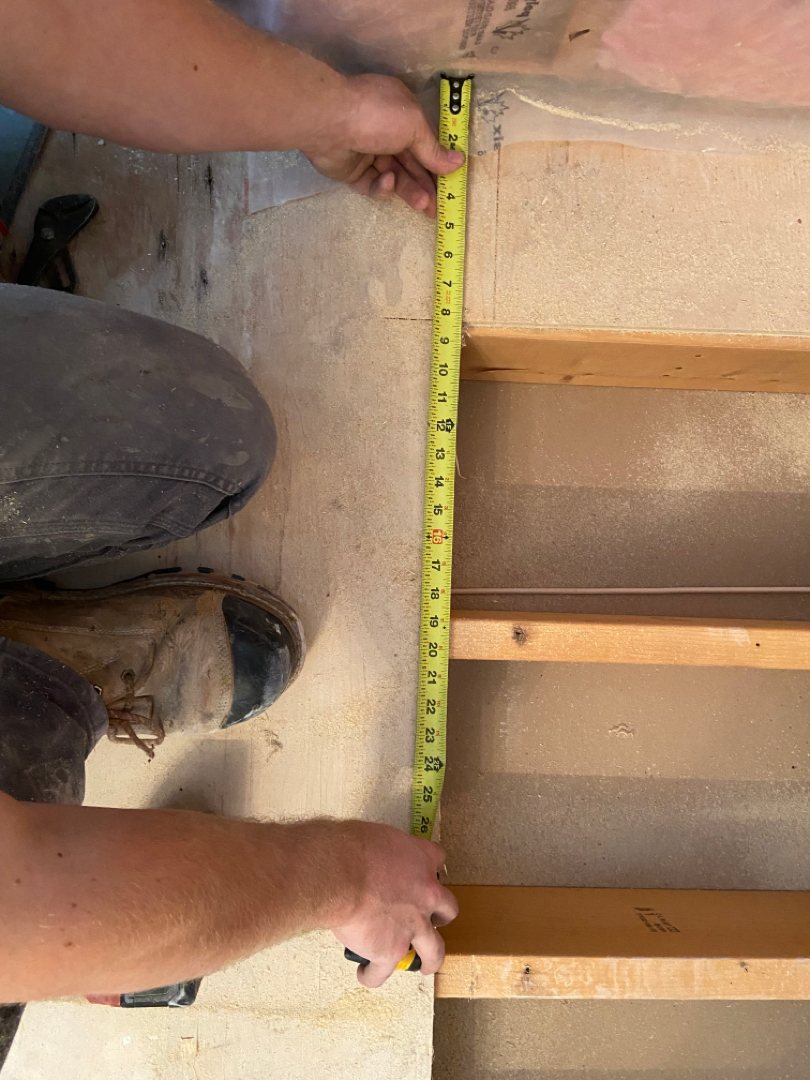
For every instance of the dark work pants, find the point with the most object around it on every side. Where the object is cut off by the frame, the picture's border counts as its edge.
(118, 433)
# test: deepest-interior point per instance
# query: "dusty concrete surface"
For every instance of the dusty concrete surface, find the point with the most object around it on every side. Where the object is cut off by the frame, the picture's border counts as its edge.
(597, 234)
(627, 1040)
(613, 775)
(621, 776)
(326, 303)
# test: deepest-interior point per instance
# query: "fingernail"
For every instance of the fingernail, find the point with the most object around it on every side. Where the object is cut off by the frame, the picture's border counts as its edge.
(456, 157)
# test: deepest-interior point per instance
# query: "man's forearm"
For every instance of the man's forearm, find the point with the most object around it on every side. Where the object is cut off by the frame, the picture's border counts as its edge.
(183, 77)
(179, 77)
(97, 901)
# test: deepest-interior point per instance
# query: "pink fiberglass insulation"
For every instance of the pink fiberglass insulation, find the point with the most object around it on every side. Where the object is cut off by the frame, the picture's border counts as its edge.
(750, 50)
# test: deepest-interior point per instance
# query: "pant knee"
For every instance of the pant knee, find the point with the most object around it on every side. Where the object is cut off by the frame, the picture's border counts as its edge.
(120, 392)
(245, 445)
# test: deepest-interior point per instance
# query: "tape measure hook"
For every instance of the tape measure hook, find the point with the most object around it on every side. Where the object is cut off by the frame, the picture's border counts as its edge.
(456, 91)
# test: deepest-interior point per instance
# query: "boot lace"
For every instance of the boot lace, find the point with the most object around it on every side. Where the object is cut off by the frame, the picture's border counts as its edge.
(123, 716)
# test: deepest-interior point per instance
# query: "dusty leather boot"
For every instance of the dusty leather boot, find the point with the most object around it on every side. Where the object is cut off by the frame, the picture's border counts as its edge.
(169, 652)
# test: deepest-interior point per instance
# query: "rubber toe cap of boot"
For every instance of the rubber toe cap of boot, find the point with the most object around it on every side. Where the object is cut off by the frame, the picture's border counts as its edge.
(263, 653)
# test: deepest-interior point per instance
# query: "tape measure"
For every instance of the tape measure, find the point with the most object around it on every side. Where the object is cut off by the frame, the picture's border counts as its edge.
(440, 475)
(440, 470)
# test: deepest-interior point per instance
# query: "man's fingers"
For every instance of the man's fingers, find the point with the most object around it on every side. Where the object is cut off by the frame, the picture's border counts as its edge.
(430, 153)
(438, 853)
(445, 908)
(346, 165)
(385, 186)
(374, 184)
(414, 194)
(376, 972)
(363, 182)
(408, 173)
(417, 172)
(410, 190)
(430, 947)
(414, 184)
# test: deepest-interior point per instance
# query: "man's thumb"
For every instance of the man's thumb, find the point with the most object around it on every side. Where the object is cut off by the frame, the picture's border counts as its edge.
(436, 158)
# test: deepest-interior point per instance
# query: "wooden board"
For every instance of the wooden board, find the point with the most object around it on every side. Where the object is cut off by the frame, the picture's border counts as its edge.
(672, 360)
(627, 943)
(629, 639)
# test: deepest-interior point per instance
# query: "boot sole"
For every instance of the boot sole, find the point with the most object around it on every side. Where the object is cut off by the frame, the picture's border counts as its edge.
(209, 579)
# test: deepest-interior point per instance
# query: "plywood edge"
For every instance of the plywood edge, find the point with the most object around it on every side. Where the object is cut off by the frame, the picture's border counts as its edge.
(624, 978)
(592, 356)
(616, 639)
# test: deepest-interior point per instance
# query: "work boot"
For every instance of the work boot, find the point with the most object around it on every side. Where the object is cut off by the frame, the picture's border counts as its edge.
(169, 652)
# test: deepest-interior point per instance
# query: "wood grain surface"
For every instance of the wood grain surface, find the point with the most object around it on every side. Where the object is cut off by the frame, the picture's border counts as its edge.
(679, 944)
(629, 639)
(675, 360)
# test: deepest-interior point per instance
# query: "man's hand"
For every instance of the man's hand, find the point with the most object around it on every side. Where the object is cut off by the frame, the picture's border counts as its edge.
(400, 902)
(68, 925)
(386, 146)
(187, 77)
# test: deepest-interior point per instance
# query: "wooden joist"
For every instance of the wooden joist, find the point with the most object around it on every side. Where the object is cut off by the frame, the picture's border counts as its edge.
(627, 943)
(672, 359)
(629, 639)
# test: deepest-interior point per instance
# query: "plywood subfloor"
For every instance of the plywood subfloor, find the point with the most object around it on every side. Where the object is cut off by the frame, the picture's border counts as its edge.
(326, 303)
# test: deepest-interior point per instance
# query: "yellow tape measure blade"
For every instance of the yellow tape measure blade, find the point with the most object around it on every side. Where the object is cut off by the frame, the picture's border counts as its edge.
(440, 471)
